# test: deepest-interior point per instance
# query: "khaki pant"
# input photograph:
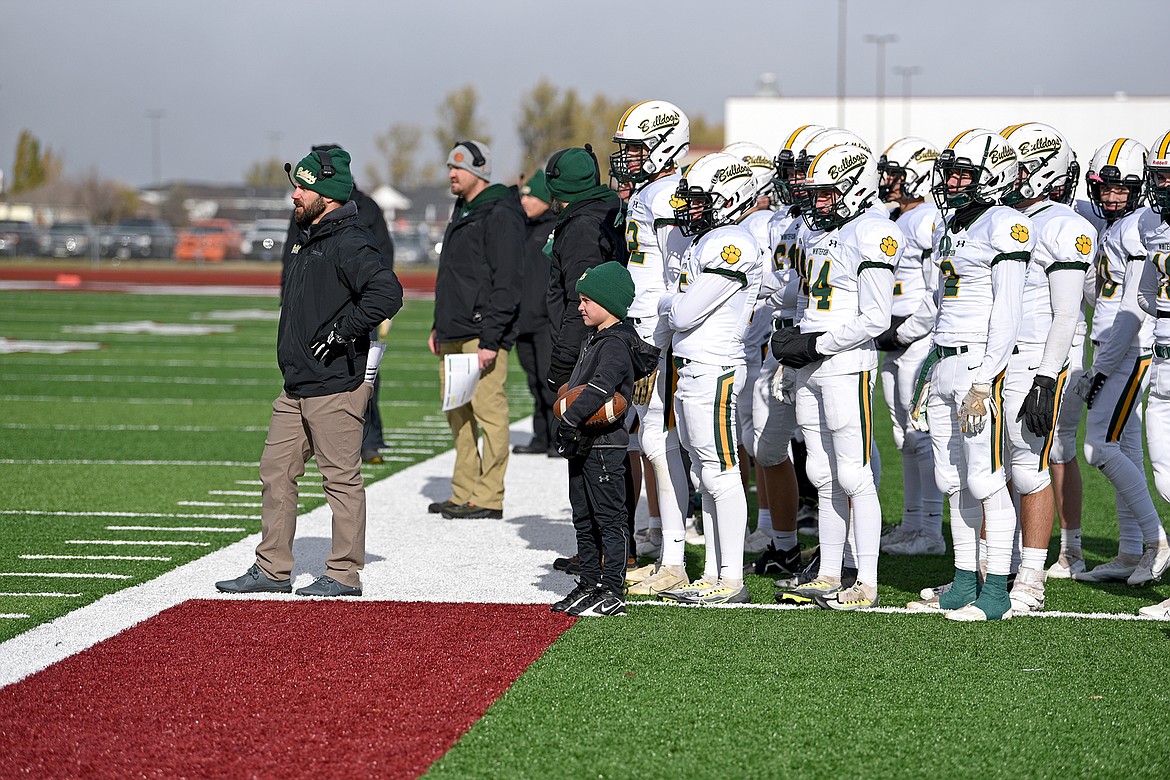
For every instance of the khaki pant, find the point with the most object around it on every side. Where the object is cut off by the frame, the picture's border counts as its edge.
(479, 479)
(329, 427)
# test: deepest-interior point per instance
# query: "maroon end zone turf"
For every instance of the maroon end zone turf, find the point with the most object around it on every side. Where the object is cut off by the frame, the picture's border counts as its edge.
(272, 689)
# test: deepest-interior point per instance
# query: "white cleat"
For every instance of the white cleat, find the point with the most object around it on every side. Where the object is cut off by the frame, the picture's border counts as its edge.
(757, 541)
(1117, 570)
(895, 535)
(1027, 594)
(973, 614)
(1153, 564)
(634, 576)
(917, 543)
(925, 605)
(1067, 566)
(648, 543)
(665, 578)
(1156, 611)
(936, 592)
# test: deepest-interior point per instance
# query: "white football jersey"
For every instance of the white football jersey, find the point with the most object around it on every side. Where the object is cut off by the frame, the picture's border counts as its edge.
(719, 286)
(849, 275)
(1156, 238)
(917, 226)
(656, 246)
(1118, 244)
(760, 327)
(1063, 240)
(785, 251)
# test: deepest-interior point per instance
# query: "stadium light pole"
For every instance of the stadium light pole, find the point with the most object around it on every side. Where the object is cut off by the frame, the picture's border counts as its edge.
(880, 41)
(840, 63)
(155, 116)
(907, 72)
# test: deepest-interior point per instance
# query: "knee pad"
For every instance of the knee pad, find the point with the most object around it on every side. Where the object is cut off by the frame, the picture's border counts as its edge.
(1027, 481)
(717, 483)
(855, 479)
(656, 443)
(983, 486)
(946, 482)
(818, 472)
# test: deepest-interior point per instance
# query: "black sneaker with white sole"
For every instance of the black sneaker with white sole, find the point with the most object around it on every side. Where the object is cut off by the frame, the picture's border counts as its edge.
(778, 563)
(578, 593)
(601, 602)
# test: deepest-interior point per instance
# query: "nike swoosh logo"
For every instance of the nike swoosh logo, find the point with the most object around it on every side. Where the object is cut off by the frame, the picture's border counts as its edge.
(1033, 368)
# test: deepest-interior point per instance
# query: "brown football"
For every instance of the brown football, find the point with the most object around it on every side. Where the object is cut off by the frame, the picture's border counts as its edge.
(610, 412)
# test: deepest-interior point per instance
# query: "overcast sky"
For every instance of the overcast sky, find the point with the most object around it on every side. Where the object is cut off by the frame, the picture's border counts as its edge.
(242, 80)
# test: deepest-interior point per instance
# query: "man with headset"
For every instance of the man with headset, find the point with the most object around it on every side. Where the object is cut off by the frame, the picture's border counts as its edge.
(477, 300)
(336, 289)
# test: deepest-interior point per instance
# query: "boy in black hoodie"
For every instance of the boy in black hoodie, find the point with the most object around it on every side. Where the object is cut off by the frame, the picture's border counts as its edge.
(611, 359)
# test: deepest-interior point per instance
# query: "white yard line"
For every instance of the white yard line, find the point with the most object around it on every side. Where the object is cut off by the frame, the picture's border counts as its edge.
(95, 557)
(46, 595)
(198, 529)
(251, 504)
(134, 428)
(253, 464)
(173, 516)
(139, 543)
(66, 575)
(12, 616)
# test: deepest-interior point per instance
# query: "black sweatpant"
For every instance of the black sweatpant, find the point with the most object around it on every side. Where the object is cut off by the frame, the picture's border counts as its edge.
(535, 353)
(597, 494)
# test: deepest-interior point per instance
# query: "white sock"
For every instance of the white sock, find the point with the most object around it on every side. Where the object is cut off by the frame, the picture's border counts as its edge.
(1070, 540)
(764, 521)
(730, 523)
(655, 523)
(833, 514)
(999, 519)
(966, 520)
(785, 540)
(867, 531)
(1033, 558)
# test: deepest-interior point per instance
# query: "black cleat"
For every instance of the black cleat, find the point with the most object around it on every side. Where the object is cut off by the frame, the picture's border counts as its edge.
(778, 563)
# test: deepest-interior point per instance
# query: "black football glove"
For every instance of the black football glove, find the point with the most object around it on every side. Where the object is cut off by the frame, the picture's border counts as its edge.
(1094, 388)
(324, 349)
(558, 373)
(887, 340)
(795, 349)
(571, 443)
(1039, 407)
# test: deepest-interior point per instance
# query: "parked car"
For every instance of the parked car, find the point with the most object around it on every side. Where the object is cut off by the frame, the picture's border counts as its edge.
(413, 248)
(69, 239)
(19, 238)
(212, 240)
(139, 237)
(265, 240)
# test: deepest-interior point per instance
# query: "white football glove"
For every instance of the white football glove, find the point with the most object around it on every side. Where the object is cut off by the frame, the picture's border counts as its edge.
(783, 384)
(918, 419)
(976, 406)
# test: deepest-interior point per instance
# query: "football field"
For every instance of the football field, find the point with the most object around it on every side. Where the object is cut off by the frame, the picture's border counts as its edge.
(137, 457)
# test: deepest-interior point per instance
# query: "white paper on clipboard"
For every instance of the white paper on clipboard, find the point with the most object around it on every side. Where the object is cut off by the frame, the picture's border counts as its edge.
(461, 373)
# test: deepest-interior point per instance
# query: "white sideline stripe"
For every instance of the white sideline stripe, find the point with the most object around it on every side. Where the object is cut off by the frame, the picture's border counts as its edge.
(95, 557)
(251, 504)
(146, 428)
(233, 492)
(248, 482)
(200, 529)
(251, 464)
(47, 595)
(13, 615)
(123, 542)
(171, 515)
(891, 611)
(163, 400)
(66, 575)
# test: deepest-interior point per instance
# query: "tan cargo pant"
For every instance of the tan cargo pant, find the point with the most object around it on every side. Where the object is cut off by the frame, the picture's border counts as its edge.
(329, 427)
(479, 479)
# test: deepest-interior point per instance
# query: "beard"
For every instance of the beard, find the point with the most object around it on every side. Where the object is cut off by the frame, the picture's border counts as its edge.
(308, 213)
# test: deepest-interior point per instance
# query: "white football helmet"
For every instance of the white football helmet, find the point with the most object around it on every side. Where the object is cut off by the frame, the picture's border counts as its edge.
(840, 183)
(986, 158)
(716, 189)
(910, 159)
(1121, 162)
(1044, 157)
(1157, 171)
(786, 162)
(760, 161)
(651, 136)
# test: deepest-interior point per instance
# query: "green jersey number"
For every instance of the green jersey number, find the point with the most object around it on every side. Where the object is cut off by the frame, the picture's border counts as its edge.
(1159, 259)
(637, 256)
(1106, 287)
(950, 279)
(821, 289)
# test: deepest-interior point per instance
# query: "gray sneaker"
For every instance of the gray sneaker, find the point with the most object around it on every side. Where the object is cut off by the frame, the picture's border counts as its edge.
(327, 586)
(254, 581)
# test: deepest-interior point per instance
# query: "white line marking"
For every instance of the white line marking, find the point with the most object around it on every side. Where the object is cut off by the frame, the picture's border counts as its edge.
(13, 615)
(121, 542)
(65, 575)
(154, 380)
(171, 515)
(890, 610)
(95, 558)
(47, 595)
(165, 401)
(252, 504)
(233, 492)
(135, 428)
(248, 482)
(161, 528)
(252, 464)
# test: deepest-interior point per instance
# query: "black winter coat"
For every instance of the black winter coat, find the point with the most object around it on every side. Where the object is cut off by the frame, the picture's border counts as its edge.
(535, 274)
(588, 234)
(336, 277)
(477, 291)
(610, 361)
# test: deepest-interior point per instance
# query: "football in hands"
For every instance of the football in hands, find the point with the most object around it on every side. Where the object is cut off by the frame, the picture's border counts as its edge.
(611, 411)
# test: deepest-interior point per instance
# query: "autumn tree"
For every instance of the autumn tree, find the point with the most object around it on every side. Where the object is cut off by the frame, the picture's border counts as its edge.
(551, 120)
(458, 120)
(32, 168)
(266, 173)
(401, 167)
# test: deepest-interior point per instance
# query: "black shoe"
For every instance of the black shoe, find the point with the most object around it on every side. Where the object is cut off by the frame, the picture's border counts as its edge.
(329, 587)
(599, 602)
(371, 456)
(440, 506)
(254, 580)
(778, 563)
(473, 512)
(576, 594)
(848, 578)
(568, 565)
(532, 448)
(809, 572)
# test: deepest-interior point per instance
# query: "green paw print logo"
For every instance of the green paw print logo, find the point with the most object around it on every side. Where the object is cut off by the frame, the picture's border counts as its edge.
(1084, 245)
(1019, 233)
(731, 254)
(889, 246)
(676, 202)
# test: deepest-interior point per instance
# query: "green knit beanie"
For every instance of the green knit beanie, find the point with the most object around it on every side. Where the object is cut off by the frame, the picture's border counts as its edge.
(537, 187)
(610, 285)
(309, 174)
(572, 173)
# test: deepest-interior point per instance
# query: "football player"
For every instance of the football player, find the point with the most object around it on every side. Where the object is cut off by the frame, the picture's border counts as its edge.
(709, 317)
(1154, 298)
(983, 251)
(1037, 371)
(652, 138)
(847, 259)
(905, 170)
(1113, 386)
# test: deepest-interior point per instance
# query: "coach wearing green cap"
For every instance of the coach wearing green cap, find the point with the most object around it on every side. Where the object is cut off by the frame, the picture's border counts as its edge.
(336, 290)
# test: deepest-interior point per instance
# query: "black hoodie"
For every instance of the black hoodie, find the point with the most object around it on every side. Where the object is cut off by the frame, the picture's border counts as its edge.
(610, 361)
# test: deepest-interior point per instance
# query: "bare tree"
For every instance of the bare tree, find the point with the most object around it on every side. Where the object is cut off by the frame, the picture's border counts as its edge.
(400, 167)
(458, 121)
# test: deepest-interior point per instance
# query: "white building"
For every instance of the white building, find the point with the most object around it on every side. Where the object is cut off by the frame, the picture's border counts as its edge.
(1087, 122)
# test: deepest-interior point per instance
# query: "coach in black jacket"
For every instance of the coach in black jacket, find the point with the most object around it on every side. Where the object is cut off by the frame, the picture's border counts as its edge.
(477, 297)
(337, 288)
(589, 232)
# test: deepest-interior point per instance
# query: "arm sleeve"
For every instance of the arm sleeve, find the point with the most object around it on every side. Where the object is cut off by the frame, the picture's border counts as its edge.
(503, 251)
(1007, 296)
(1126, 324)
(875, 298)
(921, 322)
(1065, 290)
(1148, 289)
(613, 366)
